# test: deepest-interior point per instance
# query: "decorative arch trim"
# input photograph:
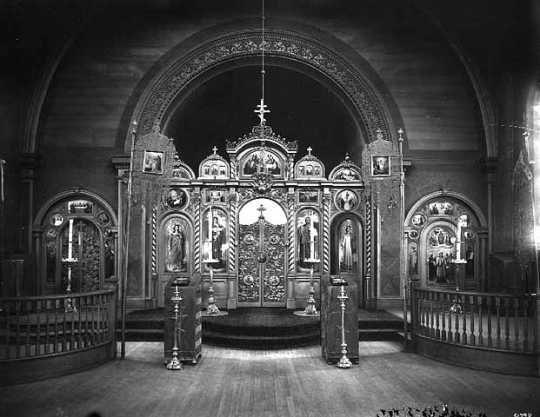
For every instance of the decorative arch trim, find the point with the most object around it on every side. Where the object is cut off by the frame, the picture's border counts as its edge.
(183, 68)
(38, 221)
(445, 193)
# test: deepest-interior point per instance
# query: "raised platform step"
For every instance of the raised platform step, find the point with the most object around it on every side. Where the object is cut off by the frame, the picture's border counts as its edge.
(263, 328)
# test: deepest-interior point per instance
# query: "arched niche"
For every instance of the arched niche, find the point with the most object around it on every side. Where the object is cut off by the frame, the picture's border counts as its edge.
(215, 225)
(346, 245)
(440, 229)
(175, 246)
(308, 239)
(75, 234)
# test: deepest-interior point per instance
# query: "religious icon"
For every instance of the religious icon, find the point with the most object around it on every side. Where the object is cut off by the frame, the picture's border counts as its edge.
(215, 196)
(176, 198)
(103, 218)
(261, 162)
(347, 174)
(214, 168)
(308, 196)
(346, 200)
(153, 162)
(413, 258)
(348, 254)
(441, 253)
(441, 208)
(176, 246)
(80, 206)
(57, 219)
(418, 220)
(215, 239)
(181, 172)
(308, 238)
(380, 165)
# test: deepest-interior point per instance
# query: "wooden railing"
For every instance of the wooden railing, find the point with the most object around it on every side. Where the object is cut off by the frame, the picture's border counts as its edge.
(32, 327)
(483, 320)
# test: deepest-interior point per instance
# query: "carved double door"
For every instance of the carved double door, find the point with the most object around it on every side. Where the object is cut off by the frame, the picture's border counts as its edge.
(261, 264)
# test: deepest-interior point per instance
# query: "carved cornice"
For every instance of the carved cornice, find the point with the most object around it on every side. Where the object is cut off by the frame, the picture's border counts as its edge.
(347, 77)
(263, 134)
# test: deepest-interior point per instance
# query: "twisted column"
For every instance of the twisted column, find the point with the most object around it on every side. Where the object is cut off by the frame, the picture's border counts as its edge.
(369, 234)
(154, 240)
(326, 232)
(197, 234)
(291, 232)
(233, 236)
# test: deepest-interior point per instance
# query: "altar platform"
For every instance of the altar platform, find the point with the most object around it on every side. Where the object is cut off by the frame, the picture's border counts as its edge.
(264, 328)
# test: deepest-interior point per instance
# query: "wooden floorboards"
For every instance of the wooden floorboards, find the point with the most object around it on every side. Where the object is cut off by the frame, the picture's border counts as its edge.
(288, 383)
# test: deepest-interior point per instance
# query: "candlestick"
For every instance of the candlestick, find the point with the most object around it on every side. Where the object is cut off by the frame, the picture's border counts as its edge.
(175, 364)
(311, 308)
(70, 260)
(70, 239)
(212, 309)
(344, 361)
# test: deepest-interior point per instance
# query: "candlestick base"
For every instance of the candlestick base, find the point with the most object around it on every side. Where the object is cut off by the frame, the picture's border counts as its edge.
(344, 362)
(174, 364)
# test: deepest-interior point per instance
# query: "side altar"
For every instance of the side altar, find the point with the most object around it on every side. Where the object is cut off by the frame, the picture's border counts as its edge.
(259, 213)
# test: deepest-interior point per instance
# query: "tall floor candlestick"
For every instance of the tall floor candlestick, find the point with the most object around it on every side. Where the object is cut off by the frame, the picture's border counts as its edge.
(69, 261)
(212, 309)
(344, 361)
(311, 307)
(175, 364)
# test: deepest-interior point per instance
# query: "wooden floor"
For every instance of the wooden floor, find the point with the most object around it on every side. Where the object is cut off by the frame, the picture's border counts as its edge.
(296, 382)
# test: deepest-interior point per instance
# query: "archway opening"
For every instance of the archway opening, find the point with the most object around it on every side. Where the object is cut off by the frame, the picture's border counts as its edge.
(301, 107)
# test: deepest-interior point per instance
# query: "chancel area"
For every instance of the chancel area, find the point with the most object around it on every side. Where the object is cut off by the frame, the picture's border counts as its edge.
(322, 208)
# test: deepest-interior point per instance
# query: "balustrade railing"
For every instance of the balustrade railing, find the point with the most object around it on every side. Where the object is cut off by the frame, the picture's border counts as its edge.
(493, 321)
(56, 324)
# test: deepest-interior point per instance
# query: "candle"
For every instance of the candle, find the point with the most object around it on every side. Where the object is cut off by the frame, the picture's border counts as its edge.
(70, 239)
(210, 233)
(312, 233)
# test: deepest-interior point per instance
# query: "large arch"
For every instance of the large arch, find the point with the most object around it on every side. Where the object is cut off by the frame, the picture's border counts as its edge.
(219, 49)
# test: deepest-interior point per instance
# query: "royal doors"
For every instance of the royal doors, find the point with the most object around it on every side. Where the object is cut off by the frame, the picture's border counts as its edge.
(261, 254)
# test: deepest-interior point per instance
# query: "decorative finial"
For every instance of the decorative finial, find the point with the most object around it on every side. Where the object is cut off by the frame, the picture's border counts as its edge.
(400, 132)
(261, 109)
(134, 127)
(214, 149)
(347, 157)
(309, 149)
(261, 210)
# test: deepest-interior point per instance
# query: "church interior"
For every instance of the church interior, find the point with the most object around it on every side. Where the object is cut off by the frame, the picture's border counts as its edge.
(262, 208)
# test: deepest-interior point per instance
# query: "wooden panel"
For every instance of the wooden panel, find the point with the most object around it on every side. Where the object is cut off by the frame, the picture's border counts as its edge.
(331, 322)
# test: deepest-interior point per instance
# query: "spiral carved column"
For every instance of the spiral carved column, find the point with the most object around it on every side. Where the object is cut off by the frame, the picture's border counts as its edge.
(233, 218)
(154, 240)
(291, 232)
(197, 234)
(369, 234)
(326, 233)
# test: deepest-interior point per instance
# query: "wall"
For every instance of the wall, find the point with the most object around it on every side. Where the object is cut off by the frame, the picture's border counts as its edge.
(86, 113)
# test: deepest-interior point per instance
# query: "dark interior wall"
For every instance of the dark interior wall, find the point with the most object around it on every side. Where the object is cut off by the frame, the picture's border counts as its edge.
(100, 73)
(115, 45)
(10, 109)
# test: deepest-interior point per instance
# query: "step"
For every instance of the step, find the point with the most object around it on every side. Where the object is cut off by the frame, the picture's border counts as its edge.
(258, 342)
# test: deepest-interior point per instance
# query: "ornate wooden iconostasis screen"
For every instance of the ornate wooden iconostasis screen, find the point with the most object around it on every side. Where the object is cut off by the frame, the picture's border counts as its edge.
(260, 217)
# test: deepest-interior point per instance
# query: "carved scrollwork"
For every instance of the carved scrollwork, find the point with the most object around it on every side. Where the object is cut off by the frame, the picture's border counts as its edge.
(288, 45)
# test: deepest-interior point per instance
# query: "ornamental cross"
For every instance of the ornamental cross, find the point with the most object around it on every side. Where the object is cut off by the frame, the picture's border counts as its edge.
(261, 109)
(309, 149)
(261, 210)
